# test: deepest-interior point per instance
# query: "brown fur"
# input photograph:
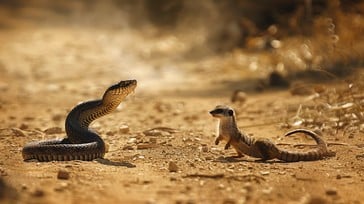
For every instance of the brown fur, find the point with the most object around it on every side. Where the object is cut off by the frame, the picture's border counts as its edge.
(261, 147)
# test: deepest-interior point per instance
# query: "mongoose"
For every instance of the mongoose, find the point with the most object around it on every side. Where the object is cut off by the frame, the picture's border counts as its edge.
(262, 148)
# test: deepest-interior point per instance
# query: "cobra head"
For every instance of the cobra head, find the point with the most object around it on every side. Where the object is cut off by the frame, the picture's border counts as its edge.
(120, 90)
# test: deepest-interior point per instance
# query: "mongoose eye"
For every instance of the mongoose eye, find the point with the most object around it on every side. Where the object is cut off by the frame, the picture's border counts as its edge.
(231, 112)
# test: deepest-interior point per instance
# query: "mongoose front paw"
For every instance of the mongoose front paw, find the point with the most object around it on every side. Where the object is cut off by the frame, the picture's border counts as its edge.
(227, 145)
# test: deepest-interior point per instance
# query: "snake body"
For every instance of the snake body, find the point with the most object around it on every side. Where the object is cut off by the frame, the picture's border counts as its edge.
(81, 143)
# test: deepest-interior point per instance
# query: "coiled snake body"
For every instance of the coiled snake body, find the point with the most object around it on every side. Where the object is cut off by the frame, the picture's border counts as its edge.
(81, 143)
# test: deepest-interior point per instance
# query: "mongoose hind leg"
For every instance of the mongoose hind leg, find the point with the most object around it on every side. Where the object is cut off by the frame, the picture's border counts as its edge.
(227, 146)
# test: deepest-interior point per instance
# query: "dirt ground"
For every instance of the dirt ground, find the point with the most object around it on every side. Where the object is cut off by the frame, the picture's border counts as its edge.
(47, 70)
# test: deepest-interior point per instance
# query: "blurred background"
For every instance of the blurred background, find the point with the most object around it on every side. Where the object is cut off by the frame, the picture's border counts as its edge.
(175, 44)
(54, 54)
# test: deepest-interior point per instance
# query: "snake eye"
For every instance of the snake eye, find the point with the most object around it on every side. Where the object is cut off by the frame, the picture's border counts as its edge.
(231, 112)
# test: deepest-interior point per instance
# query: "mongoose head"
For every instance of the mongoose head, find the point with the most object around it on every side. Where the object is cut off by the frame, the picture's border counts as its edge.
(222, 111)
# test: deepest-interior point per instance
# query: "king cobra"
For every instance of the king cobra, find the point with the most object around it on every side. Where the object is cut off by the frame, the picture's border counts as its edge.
(81, 143)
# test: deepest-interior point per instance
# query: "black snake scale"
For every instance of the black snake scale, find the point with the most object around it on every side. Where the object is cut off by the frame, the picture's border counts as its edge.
(81, 143)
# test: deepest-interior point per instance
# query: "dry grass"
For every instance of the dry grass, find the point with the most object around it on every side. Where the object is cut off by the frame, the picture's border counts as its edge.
(335, 109)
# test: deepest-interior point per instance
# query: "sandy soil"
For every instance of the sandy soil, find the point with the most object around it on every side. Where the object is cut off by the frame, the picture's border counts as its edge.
(46, 71)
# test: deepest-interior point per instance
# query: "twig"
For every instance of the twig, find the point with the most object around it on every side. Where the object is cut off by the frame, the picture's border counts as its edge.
(213, 176)
(165, 129)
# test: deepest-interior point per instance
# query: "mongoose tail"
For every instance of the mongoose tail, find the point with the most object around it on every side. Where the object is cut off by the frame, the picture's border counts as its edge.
(320, 142)
(312, 155)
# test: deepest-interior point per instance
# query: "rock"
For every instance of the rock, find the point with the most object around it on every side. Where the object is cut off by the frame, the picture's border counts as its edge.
(267, 190)
(128, 147)
(53, 130)
(331, 192)
(316, 200)
(61, 187)
(24, 187)
(132, 140)
(63, 174)
(110, 133)
(38, 193)
(3, 172)
(238, 97)
(172, 166)
(123, 129)
(264, 173)
(221, 186)
(23, 126)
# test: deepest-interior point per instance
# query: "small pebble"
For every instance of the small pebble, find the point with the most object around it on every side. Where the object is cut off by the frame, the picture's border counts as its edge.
(264, 173)
(331, 192)
(238, 96)
(124, 129)
(3, 172)
(267, 190)
(110, 133)
(38, 193)
(132, 140)
(172, 166)
(23, 126)
(316, 200)
(60, 188)
(63, 174)
(128, 147)
(24, 187)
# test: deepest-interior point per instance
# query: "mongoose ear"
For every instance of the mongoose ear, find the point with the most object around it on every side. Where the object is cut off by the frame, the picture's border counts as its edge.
(231, 112)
